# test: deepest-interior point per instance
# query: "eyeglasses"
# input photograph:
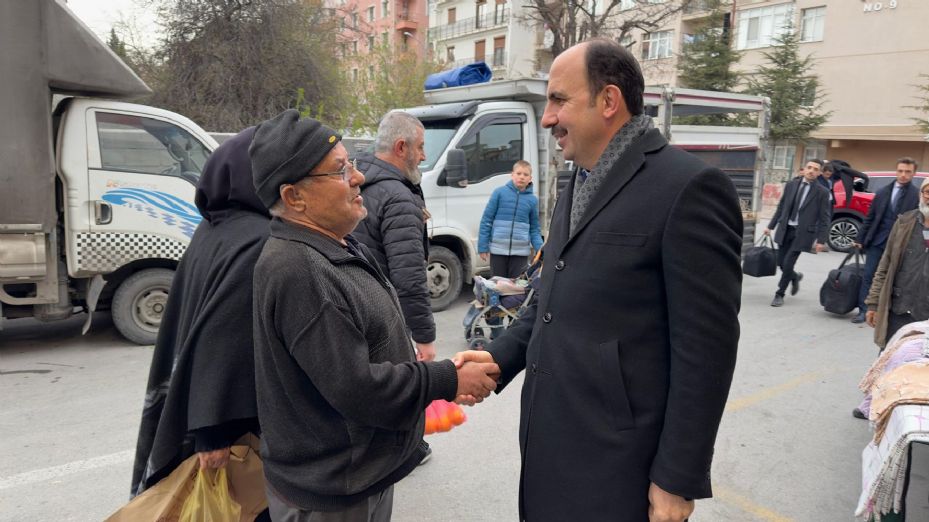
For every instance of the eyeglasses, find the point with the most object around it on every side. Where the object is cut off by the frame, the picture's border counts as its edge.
(346, 171)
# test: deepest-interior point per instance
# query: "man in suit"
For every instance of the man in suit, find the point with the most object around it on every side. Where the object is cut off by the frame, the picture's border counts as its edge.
(888, 203)
(801, 219)
(630, 348)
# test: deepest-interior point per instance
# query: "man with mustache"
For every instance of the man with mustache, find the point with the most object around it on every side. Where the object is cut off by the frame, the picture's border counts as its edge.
(341, 397)
(395, 227)
(899, 292)
(630, 348)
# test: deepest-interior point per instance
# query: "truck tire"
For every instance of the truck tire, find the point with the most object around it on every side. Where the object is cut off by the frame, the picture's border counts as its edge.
(139, 304)
(443, 277)
(843, 232)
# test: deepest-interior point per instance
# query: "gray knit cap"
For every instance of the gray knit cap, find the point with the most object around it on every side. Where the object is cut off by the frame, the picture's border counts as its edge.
(285, 149)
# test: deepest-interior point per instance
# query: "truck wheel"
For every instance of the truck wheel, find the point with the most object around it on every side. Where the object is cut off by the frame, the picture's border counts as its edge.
(139, 304)
(842, 233)
(443, 277)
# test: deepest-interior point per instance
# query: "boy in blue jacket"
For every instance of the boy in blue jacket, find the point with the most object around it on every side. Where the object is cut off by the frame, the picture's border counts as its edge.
(510, 225)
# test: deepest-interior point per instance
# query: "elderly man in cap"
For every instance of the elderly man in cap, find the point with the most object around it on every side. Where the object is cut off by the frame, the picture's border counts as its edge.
(341, 397)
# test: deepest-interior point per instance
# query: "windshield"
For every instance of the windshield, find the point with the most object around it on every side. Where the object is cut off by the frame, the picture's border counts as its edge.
(438, 134)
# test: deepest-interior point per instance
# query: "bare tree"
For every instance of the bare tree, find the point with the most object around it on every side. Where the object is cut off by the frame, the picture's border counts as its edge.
(228, 64)
(573, 21)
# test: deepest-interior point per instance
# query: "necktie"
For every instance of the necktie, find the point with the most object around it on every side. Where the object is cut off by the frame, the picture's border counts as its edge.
(801, 195)
(895, 200)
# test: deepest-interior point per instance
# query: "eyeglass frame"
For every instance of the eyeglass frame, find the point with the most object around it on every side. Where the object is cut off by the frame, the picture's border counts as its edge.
(345, 171)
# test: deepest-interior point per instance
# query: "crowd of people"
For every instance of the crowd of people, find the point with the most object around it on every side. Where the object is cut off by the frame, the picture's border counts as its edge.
(300, 315)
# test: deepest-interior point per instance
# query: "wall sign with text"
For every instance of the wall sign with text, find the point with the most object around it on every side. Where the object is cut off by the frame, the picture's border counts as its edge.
(874, 7)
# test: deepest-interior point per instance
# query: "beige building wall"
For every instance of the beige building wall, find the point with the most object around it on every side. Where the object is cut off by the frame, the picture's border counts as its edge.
(867, 62)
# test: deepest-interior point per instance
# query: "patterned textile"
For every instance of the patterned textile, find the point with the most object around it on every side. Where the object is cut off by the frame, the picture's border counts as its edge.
(884, 463)
(584, 192)
(904, 335)
(911, 349)
(908, 384)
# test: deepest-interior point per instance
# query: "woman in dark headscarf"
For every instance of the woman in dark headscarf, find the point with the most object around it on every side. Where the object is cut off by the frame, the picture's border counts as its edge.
(201, 386)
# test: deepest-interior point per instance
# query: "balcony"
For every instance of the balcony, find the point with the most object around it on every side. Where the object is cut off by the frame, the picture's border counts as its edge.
(406, 22)
(703, 7)
(470, 25)
(496, 61)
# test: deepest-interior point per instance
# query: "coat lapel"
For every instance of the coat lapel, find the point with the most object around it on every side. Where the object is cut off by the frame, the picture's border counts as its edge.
(629, 163)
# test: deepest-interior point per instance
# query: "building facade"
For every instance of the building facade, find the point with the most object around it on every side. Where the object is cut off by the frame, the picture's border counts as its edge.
(496, 32)
(868, 56)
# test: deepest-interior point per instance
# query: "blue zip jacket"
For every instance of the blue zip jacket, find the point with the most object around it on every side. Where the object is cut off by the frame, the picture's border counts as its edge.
(511, 222)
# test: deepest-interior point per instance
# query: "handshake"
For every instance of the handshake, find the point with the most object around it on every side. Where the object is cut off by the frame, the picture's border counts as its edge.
(477, 376)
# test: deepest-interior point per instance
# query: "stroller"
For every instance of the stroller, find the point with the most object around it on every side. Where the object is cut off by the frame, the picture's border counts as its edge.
(499, 301)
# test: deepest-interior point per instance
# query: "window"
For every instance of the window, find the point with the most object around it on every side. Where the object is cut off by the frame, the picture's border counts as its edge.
(370, 43)
(354, 75)
(626, 4)
(809, 95)
(494, 148)
(479, 11)
(626, 41)
(343, 49)
(385, 8)
(782, 157)
(657, 45)
(371, 72)
(500, 12)
(480, 50)
(355, 47)
(135, 144)
(450, 53)
(499, 51)
(452, 15)
(385, 39)
(759, 27)
(812, 22)
(354, 20)
(814, 151)
(371, 14)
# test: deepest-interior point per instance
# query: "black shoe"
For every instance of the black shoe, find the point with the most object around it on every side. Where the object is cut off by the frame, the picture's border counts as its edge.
(858, 319)
(795, 283)
(426, 457)
(858, 414)
(778, 300)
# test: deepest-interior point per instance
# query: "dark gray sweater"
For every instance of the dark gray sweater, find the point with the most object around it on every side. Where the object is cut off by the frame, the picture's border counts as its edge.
(341, 398)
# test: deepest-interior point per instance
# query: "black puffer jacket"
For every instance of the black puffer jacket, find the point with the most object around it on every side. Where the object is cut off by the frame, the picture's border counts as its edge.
(395, 232)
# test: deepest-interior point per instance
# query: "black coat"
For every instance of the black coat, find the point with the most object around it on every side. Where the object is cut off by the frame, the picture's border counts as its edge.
(631, 346)
(909, 200)
(813, 221)
(201, 386)
(395, 233)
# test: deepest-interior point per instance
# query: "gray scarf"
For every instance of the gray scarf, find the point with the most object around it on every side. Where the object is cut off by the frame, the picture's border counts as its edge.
(584, 191)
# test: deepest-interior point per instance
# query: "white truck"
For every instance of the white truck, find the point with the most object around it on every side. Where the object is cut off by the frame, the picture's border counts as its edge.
(96, 205)
(475, 133)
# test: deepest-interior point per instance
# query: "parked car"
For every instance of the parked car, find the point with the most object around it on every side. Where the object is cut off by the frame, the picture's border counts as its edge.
(847, 217)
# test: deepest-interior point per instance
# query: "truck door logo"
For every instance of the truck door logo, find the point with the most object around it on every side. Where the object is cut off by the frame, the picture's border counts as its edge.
(169, 209)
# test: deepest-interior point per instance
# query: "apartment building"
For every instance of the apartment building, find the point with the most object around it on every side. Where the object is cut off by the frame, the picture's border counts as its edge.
(370, 24)
(496, 32)
(868, 56)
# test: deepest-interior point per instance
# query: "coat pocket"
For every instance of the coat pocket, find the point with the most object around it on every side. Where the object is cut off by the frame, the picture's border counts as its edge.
(615, 238)
(612, 386)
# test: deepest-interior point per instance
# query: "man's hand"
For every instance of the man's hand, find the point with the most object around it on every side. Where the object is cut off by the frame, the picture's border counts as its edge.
(870, 318)
(819, 247)
(213, 459)
(477, 380)
(425, 351)
(476, 356)
(766, 232)
(857, 245)
(667, 507)
(484, 256)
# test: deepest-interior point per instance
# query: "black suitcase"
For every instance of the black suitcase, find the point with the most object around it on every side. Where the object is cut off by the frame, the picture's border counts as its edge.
(839, 293)
(761, 259)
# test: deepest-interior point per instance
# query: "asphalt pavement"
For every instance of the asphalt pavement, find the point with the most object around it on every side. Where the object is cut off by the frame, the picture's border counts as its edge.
(788, 448)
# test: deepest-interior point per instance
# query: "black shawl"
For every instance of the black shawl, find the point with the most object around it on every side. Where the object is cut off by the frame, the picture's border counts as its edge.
(202, 378)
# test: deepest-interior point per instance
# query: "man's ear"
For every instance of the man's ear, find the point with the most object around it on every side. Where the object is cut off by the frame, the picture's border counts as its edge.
(292, 198)
(613, 102)
(400, 148)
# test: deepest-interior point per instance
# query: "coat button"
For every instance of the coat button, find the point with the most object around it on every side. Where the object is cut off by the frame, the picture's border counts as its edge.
(534, 369)
(547, 318)
(559, 265)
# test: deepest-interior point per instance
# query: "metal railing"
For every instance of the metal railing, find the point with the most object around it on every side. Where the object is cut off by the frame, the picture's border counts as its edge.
(495, 60)
(470, 25)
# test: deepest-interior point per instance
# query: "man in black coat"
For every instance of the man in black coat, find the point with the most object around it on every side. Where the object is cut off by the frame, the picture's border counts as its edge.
(630, 348)
(201, 386)
(888, 203)
(395, 228)
(802, 219)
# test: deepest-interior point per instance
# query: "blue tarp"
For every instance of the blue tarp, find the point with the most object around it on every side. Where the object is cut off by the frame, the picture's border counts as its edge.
(477, 72)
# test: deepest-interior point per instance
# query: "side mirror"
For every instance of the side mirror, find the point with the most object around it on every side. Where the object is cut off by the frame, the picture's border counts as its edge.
(456, 169)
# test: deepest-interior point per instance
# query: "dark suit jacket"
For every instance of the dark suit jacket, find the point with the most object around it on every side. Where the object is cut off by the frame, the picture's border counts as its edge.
(909, 200)
(631, 346)
(813, 221)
